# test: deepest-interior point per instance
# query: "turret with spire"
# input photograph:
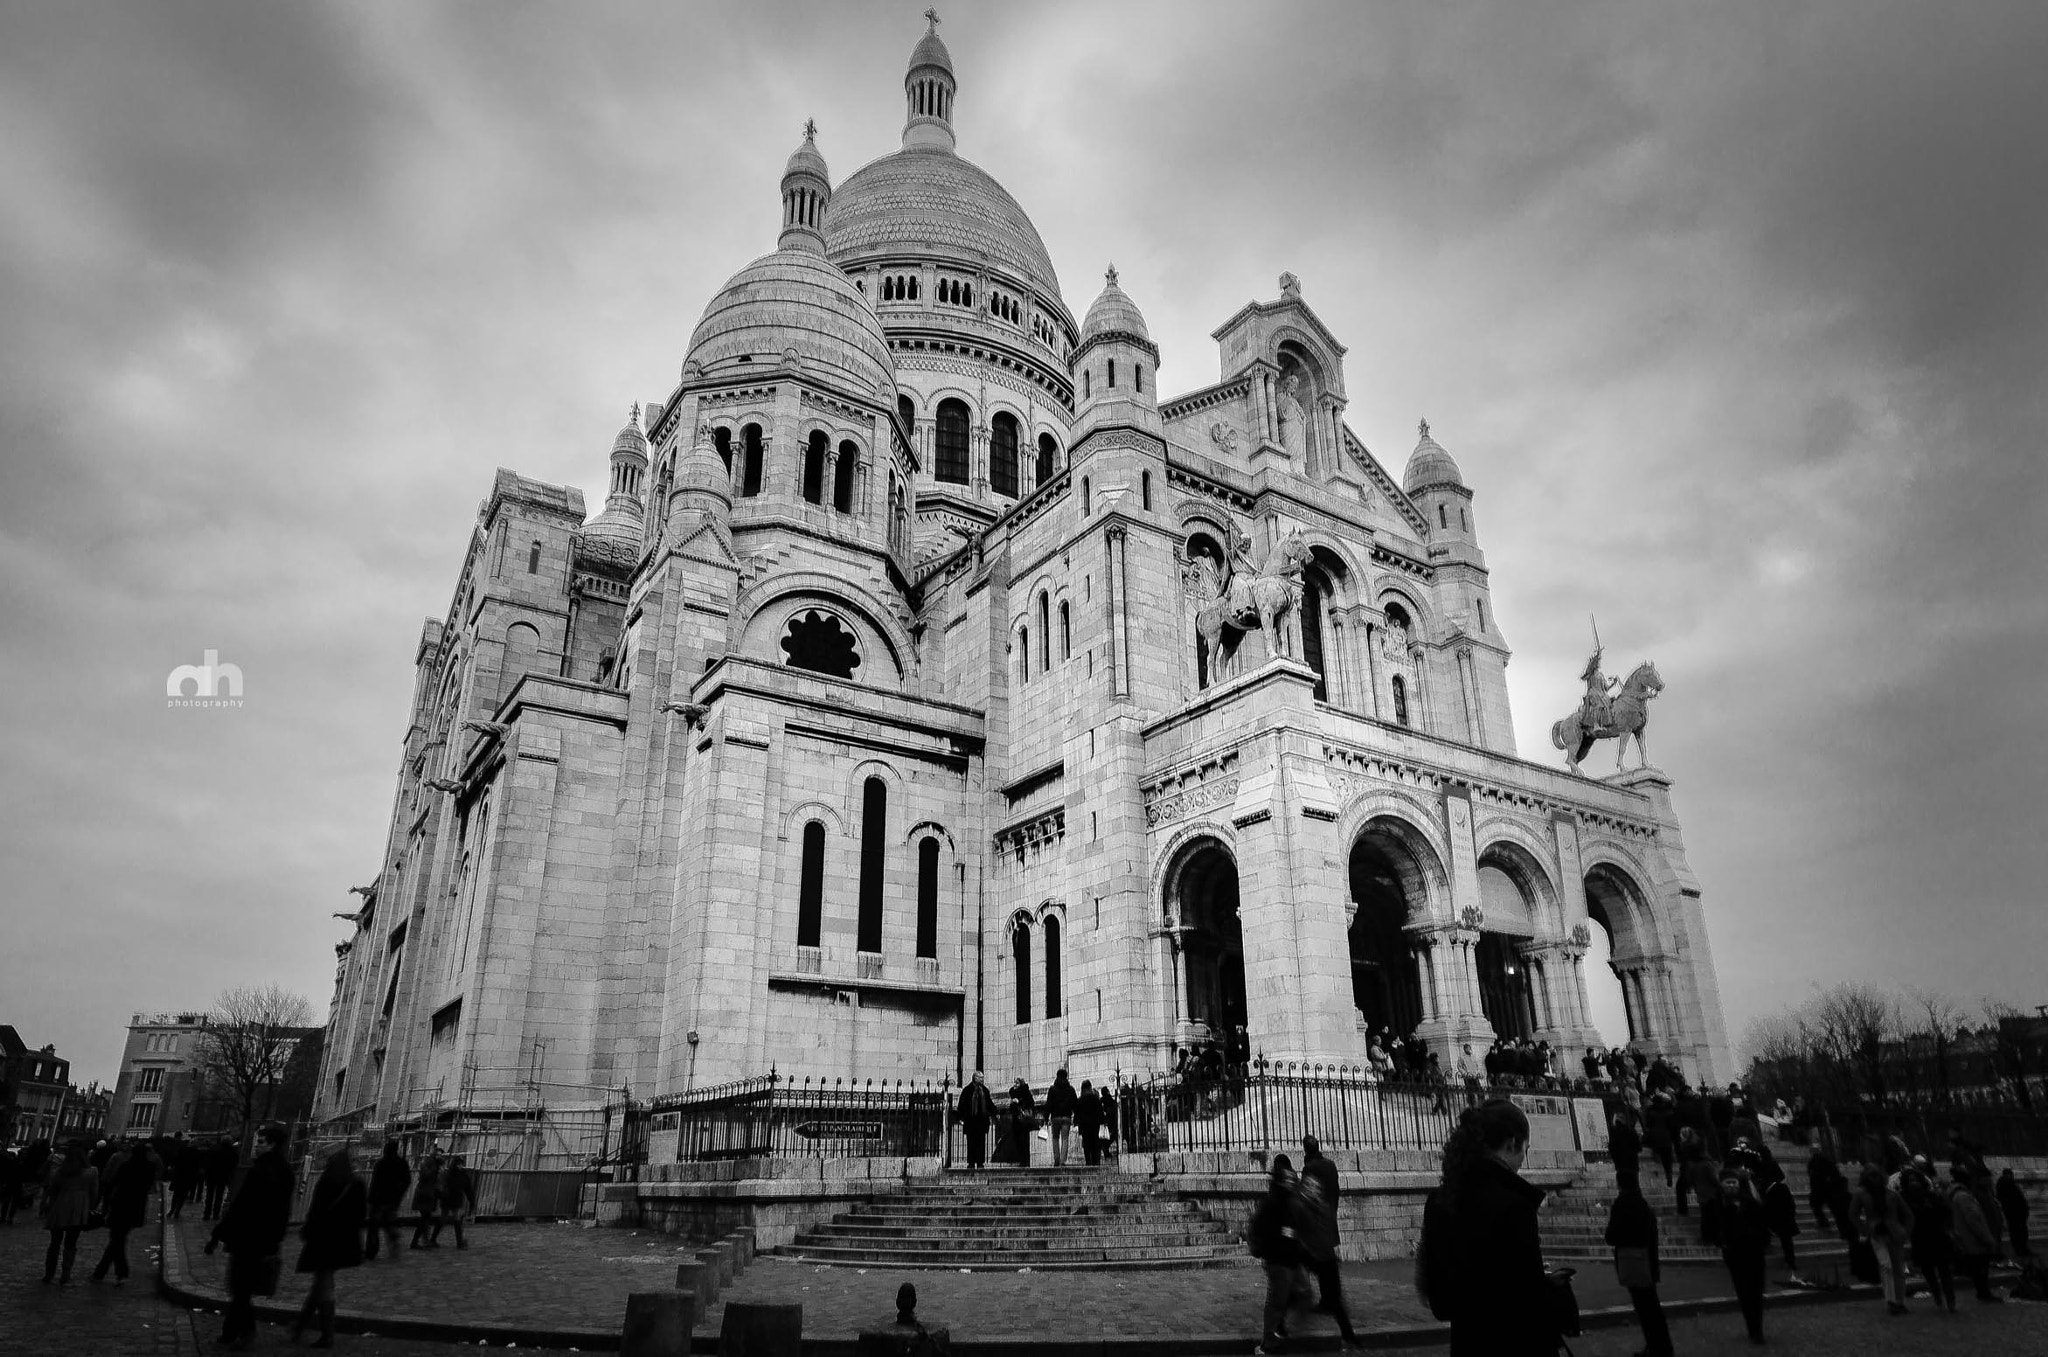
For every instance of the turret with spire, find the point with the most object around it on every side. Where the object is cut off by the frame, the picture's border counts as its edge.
(806, 193)
(1116, 364)
(928, 91)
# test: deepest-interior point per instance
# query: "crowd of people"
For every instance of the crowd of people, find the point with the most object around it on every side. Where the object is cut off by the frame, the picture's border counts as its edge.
(75, 1189)
(1093, 1114)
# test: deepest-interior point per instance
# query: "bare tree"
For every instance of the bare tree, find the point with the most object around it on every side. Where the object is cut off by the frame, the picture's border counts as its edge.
(250, 1037)
(1942, 1016)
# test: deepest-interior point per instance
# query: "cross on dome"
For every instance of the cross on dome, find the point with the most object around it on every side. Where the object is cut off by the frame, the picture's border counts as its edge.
(1422, 427)
(1109, 275)
(810, 129)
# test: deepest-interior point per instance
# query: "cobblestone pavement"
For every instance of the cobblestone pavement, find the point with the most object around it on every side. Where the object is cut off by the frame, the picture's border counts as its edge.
(118, 1321)
(1853, 1329)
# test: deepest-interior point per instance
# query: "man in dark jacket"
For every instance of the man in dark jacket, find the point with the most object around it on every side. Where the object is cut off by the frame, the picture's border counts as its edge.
(1632, 1224)
(126, 1197)
(221, 1161)
(1625, 1145)
(1503, 1305)
(252, 1230)
(1275, 1239)
(458, 1200)
(388, 1184)
(1745, 1246)
(1318, 1233)
(1060, 1102)
(188, 1173)
(976, 1109)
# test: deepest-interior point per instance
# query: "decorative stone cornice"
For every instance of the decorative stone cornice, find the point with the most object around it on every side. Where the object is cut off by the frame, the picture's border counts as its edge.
(1191, 790)
(1188, 480)
(1033, 836)
(1193, 402)
(1360, 770)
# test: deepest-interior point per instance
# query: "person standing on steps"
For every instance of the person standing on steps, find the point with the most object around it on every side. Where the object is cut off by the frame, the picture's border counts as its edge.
(1023, 1114)
(1885, 1223)
(1088, 1121)
(334, 1240)
(426, 1200)
(1060, 1102)
(1318, 1233)
(252, 1229)
(975, 1110)
(1632, 1234)
(1657, 1132)
(1625, 1145)
(1934, 1254)
(388, 1182)
(1111, 1127)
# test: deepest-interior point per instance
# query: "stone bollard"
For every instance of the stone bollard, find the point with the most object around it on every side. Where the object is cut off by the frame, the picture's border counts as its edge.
(698, 1282)
(719, 1258)
(759, 1330)
(903, 1340)
(658, 1324)
(743, 1247)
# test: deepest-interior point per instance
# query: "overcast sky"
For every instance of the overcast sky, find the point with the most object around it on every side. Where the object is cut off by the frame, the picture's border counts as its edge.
(1732, 315)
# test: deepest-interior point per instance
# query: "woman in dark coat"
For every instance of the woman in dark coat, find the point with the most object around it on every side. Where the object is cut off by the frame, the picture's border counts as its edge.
(1274, 1237)
(1088, 1123)
(1500, 1297)
(67, 1199)
(334, 1240)
(1023, 1108)
(1632, 1224)
(127, 1203)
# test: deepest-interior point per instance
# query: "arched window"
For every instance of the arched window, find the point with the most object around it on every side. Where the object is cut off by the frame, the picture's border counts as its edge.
(1002, 454)
(1020, 947)
(722, 440)
(810, 895)
(1315, 594)
(1087, 385)
(533, 560)
(842, 479)
(1464, 523)
(1023, 654)
(1400, 700)
(874, 831)
(1087, 499)
(1482, 614)
(814, 468)
(750, 460)
(1145, 489)
(1442, 521)
(1044, 633)
(1138, 377)
(951, 460)
(1066, 632)
(1052, 966)
(522, 652)
(906, 409)
(1048, 455)
(1112, 374)
(928, 898)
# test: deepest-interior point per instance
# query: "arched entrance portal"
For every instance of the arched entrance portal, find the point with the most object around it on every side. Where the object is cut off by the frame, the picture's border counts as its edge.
(1386, 890)
(1506, 995)
(1211, 938)
(1614, 903)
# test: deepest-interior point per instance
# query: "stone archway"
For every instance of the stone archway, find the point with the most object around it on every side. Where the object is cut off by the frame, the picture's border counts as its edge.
(1617, 905)
(1202, 895)
(1387, 895)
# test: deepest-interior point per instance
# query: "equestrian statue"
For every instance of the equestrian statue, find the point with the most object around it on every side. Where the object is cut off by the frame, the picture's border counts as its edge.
(1606, 713)
(1243, 595)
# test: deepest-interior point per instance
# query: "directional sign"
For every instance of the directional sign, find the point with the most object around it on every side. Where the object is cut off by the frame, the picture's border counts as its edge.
(840, 1130)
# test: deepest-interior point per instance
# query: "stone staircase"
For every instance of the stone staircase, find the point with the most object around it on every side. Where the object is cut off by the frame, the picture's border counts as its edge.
(1574, 1223)
(1007, 1219)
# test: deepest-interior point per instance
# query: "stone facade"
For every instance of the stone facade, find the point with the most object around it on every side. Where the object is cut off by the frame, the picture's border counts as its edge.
(869, 730)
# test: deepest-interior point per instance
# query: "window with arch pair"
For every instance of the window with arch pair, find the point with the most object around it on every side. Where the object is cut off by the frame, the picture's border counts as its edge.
(899, 287)
(747, 483)
(874, 843)
(842, 476)
(1020, 948)
(1045, 616)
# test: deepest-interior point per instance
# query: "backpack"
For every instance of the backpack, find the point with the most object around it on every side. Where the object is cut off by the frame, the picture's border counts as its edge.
(1435, 1264)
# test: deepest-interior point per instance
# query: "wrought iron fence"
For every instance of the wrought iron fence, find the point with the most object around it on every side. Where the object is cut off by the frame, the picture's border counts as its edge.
(1277, 1103)
(1859, 1133)
(779, 1116)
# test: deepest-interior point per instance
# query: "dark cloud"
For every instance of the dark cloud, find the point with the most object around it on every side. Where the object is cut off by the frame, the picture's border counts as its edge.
(1732, 315)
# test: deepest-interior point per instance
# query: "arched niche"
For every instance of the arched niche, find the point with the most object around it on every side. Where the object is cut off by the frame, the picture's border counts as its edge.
(1201, 906)
(1391, 868)
(1625, 931)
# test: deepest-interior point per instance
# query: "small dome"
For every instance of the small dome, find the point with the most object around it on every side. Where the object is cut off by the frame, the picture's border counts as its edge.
(930, 51)
(793, 301)
(702, 470)
(805, 158)
(630, 438)
(1114, 311)
(1429, 465)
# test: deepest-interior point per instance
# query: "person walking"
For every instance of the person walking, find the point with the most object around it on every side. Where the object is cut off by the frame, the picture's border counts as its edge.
(333, 1235)
(1317, 1229)
(1060, 1102)
(188, 1174)
(220, 1165)
(1023, 1114)
(975, 1110)
(1971, 1235)
(426, 1200)
(126, 1199)
(1884, 1222)
(10, 1183)
(1275, 1240)
(1745, 1245)
(1632, 1234)
(1088, 1121)
(1112, 1129)
(2013, 1203)
(388, 1182)
(1625, 1145)
(458, 1199)
(252, 1230)
(1934, 1253)
(73, 1186)
(1657, 1132)
(1500, 1297)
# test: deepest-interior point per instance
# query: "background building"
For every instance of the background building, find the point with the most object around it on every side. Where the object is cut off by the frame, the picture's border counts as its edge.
(160, 1089)
(898, 715)
(33, 1086)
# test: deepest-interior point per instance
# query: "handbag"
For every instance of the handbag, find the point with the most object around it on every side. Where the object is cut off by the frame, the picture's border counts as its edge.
(1564, 1302)
(1632, 1267)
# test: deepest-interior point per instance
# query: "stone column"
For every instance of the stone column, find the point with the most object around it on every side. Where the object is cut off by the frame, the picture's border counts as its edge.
(1475, 723)
(977, 460)
(828, 485)
(1421, 700)
(1371, 634)
(1336, 636)
(1114, 604)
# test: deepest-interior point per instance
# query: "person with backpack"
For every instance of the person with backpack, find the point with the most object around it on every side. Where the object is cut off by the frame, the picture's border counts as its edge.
(1971, 1235)
(1481, 1262)
(1274, 1237)
(976, 1109)
(1632, 1234)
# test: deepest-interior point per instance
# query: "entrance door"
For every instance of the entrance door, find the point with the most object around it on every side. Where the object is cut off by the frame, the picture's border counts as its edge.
(1505, 994)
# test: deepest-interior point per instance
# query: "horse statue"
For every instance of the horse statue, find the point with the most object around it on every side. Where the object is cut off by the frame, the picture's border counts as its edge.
(1628, 712)
(1248, 596)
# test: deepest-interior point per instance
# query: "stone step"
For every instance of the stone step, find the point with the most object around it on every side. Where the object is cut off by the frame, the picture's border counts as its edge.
(888, 1209)
(1022, 1240)
(1232, 1255)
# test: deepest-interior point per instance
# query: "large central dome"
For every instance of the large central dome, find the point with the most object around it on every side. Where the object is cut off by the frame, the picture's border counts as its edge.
(928, 201)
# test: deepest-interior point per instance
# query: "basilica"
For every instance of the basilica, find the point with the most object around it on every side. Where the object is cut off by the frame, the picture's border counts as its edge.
(931, 692)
